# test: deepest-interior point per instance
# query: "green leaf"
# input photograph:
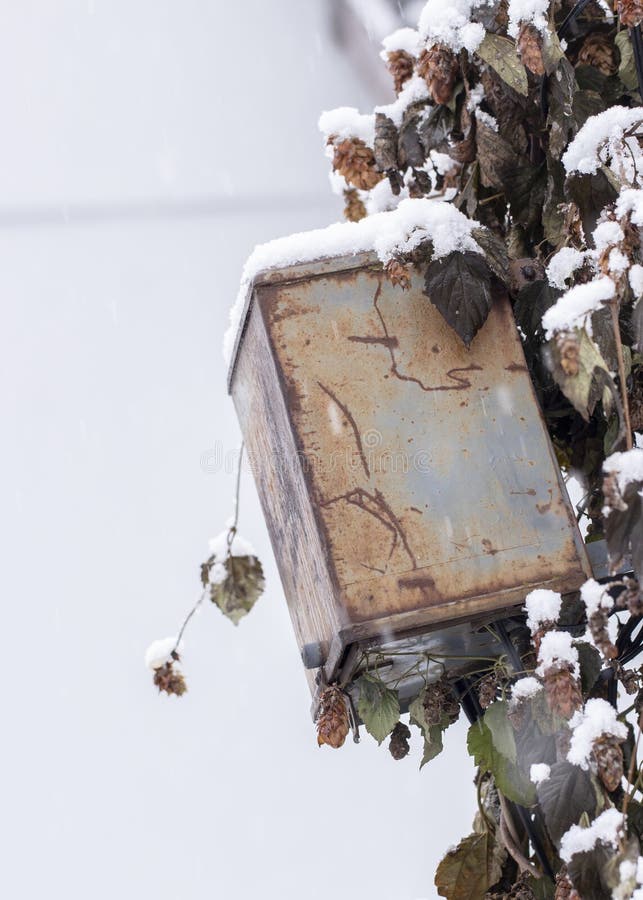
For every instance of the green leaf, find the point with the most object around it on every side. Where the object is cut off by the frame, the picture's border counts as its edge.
(378, 706)
(560, 120)
(585, 388)
(500, 53)
(532, 303)
(502, 732)
(510, 779)
(241, 587)
(470, 869)
(459, 286)
(587, 872)
(590, 665)
(564, 797)
(624, 529)
(627, 66)
(432, 743)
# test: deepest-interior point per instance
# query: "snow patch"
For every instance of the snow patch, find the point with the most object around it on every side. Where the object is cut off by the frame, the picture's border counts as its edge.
(542, 606)
(414, 89)
(347, 122)
(160, 652)
(626, 466)
(450, 24)
(527, 12)
(539, 772)
(557, 649)
(407, 39)
(595, 597)
(562, 266)
(239, 546)
(525, 688)
(605, 828)
(588, 724)
(636, 280)
(573, 309)
(599, 138)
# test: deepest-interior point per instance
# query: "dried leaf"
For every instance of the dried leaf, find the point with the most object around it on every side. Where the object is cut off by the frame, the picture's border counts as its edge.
(560, 121)
(470, 869)
(495, 251)
(564, 797)
(459, 286)
(627, 66)
(586, 871)
(378, 706)
(432, 744)
(500, 53)
(240, 589)
(584, 389)
(590, 666)
(385, 143)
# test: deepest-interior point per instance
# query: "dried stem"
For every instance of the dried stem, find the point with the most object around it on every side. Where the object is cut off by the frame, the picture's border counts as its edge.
(621, 373)
(233, 527)
(187, 619)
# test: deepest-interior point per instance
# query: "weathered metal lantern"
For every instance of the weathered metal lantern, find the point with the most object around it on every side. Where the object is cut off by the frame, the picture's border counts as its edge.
(408, 483)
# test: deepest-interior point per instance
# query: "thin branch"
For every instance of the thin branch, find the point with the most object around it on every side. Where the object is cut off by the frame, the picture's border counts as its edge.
(621, 374)
(233, 527)
(187, 619)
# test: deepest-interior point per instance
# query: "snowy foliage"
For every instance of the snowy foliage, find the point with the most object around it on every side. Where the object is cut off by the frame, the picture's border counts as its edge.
(605, 829)
(542, 606)
(596, 719)
(160, 652)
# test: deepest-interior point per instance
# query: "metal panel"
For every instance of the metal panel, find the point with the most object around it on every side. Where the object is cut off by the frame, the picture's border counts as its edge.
(428, 466)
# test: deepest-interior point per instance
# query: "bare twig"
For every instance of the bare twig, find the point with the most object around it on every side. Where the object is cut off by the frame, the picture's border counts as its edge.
(187, 619)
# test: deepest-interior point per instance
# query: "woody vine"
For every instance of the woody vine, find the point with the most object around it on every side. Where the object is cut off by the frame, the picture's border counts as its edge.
(526, 118)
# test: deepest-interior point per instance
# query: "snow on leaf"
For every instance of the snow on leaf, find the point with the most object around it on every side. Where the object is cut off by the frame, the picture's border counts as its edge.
(587, 386)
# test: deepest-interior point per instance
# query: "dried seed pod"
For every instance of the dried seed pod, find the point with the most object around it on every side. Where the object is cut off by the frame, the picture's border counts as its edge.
(354, 209)
(598, 626)
(563, 691)
(440, 702)
(438, 65)
(609, 761)
(356, 162)
(529, 45)
(169, 679)
(332, 721)
(399, 743)
(565, 890)
(488, 690)
(599, 50)
(398, 274)
(630, 680)
(400, 65)
(630, 12)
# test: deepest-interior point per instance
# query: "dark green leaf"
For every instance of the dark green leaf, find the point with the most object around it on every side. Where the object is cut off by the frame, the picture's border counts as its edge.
(432, 743)
(553, 216)
(635, 818)
(496, 157)
(564, 797)
(510, 779)
(500, 53)
(241, 587)
(502, 732)
(560, 121)
(586, 104)
(591, 193)
(637, 325)
(587, 872)
(468, 196)
(532, 303)
(434, 128)
(470, 869)
(410, 149)
(624, 529)
(495, 251)
(610, 87)
(590, 666)
(459, 286)
(378, 707)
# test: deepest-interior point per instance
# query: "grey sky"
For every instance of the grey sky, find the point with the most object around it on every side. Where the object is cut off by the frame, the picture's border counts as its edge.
(113, 389)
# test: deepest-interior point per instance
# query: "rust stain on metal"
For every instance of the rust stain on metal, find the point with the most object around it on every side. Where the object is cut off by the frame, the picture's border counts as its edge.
(427, 503)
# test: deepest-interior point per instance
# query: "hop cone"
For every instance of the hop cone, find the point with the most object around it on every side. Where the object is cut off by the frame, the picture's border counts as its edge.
(440, 702)
(356, 162)
(530, 48)
(598, 50)
(400, 65)
(397, 273)
(354, 209)
(598, 627)
(563, 691)
(488, 690)
(565, 890)
(399, 743)
(609, 761)
(332, 723)
(439, 68)
(630, 12)
(169, 679)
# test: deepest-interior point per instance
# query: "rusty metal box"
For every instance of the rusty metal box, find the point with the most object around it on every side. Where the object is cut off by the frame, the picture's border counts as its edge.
(407, 483)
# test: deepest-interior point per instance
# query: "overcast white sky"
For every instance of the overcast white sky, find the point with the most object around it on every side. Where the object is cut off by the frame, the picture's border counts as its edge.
(146, 147)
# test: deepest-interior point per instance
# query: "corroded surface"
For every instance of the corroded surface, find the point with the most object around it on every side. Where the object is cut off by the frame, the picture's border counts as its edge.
(429, 471)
